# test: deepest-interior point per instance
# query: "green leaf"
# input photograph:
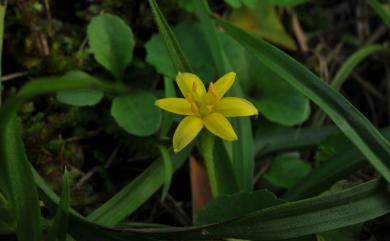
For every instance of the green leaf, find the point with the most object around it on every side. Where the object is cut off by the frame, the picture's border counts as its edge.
(263, 20)
(331, 146)
(192, 44)
(134, 194)
(346, 69)
(290, 220)
(59, 228)
(168, 170)
(172, 46)
(226, 207)
(2, 16)
(167, 117)
(286, 171)
(286, 139)
(79, 97)
(112, 42)
(16, 179)
(136, 113)
(351, 122)
(380, 10)
(278, 101)
(243, 154)
(330, 171)
(234, 3)
(351, 233)
(288, 2)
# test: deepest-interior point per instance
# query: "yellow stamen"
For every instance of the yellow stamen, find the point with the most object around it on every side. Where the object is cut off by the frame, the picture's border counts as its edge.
(194, 86)
(194, 108)
(212, 91)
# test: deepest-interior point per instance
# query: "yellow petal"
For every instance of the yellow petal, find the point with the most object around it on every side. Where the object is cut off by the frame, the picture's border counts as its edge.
(178, 106)
(217, 124)
(187, 130)
(224, 83)
(233, 106)
(190, 83)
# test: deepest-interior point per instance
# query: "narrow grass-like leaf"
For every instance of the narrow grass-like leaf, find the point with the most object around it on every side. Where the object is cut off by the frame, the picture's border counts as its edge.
(243, 149)
(327, 212)
(2, 16)
(167, 118)
(346, 69)
(136, 192)
(351, 122)
(16, 179)
(59, 229)
(171, 43)
(381, 11)
(291, 139)
(168, 170)
(330, 171)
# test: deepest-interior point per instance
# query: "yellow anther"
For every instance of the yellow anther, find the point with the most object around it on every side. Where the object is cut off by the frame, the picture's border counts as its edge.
(212, 91)
(194, 108)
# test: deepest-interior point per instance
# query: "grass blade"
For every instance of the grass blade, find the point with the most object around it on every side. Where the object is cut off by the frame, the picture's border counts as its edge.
(168, 170)
(171, 43)
(336, 168)
(136, 192)
(16, 182)
(2, 16)
(351, 122)
(167, 118)
(350, 206)
(16, 179)
(291, 139)
(346, 69)
(380, 10)
(59, 228)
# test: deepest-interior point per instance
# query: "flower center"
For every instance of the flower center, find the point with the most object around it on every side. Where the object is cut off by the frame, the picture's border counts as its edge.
(202, 105)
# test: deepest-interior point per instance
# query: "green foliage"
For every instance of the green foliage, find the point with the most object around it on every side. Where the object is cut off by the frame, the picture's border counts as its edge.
(239, 3)
(112, 43)
(286, 171)
(79, 97)
(352, 122)
(288, 2)
(227, 207)
(136, 113)
(59, 228)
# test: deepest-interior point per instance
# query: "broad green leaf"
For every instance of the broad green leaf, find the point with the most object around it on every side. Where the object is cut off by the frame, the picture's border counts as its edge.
(173, 48)
(346, 69)
(379, 8)
(286, 171)
(2, 16)
(7, 221)
(227, 207)
(79, 97)
(276, 100)
(59, 229)
(351, 122)
(168, 170)
(331, 146)
(288, 2)
(239, 3)
(134, 194)
(111, 41)
(264, 21)
(136, 113)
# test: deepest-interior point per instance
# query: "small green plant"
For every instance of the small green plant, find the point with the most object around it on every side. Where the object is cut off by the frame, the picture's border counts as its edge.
(305, 200)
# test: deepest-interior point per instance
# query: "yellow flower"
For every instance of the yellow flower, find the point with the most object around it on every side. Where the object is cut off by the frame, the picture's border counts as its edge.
(205, 108)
